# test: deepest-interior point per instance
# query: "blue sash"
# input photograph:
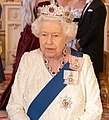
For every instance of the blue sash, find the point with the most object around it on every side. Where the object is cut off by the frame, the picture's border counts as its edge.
(49, 92)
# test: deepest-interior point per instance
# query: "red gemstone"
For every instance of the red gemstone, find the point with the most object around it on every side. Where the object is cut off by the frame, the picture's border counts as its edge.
(51, 9)
(59, 68)
(39, 10)
(66, 13)
(63, 63)
(53, 73)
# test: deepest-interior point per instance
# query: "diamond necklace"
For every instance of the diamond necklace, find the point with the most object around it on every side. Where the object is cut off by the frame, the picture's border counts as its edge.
(49, 68)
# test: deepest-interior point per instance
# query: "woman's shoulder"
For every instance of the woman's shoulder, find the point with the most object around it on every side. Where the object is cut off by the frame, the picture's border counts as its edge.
(80, 61)
(32, 58)
(34, 54)
(79, 58)
(86, 56)
(87, 60)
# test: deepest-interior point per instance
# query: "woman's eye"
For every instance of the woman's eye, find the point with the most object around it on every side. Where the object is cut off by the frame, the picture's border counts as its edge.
(55, 35)
(43, 34)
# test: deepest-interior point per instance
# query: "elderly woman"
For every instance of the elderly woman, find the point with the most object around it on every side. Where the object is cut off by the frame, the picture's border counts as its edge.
(54, 82)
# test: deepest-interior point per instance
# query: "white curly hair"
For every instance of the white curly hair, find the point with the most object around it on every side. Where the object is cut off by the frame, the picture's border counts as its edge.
(70, 29)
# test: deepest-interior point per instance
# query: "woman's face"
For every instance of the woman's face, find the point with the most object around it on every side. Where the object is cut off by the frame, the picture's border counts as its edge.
(52, 39)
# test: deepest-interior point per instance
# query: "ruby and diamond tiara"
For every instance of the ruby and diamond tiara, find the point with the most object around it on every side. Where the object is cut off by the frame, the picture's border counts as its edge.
(54, 11)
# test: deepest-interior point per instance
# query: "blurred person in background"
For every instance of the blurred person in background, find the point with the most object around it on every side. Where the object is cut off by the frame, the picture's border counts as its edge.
(75, 6)
(2, 75)
(90, 33)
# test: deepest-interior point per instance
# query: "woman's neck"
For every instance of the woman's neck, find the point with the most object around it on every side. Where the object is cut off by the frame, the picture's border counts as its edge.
(55, 64)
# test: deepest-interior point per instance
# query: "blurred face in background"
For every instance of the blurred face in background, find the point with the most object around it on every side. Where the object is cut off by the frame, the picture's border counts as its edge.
(63, 3)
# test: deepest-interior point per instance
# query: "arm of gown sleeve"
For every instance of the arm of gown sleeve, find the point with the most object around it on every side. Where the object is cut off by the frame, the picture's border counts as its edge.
(15, 107)
(93, 108)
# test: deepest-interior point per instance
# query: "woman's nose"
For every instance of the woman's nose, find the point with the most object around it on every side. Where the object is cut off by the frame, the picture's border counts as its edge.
(49, 39)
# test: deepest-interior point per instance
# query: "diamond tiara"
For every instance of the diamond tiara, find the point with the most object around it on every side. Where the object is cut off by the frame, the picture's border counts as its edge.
(54, 11)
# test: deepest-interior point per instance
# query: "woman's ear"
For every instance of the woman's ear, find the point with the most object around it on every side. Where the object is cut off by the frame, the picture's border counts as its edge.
(66, 39)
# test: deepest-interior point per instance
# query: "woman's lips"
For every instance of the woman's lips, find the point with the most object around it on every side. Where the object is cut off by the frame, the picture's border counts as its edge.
(49, 49)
